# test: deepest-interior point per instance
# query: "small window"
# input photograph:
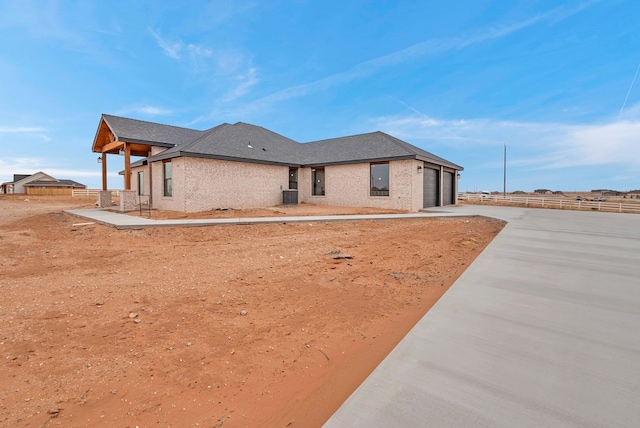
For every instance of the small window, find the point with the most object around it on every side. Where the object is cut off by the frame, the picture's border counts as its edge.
(140, 183)
(380, 179)
(317, 178)
(293, 178)
(168, 178)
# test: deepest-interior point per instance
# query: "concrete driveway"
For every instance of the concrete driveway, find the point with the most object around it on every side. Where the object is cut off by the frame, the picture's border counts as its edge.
(542, 330)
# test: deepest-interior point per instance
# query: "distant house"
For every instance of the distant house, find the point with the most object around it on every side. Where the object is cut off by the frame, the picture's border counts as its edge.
(39, 184)
(246, 166)
(543, 191)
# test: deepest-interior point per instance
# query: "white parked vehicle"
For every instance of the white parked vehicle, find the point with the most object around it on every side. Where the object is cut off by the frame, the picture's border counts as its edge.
(485, 195)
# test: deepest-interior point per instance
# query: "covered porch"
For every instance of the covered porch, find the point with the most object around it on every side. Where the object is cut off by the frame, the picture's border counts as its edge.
(108, 142)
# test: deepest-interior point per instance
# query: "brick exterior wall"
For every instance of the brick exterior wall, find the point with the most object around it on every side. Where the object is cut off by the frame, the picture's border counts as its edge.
(349, 185)
(206, 184)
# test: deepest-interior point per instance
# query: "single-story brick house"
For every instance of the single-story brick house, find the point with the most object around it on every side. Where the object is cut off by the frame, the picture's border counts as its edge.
(246, 166)
(39, 184)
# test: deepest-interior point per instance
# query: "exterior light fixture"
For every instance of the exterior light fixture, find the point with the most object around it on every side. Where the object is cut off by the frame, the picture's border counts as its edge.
(121, 152)
(99, 159)
(419, 169)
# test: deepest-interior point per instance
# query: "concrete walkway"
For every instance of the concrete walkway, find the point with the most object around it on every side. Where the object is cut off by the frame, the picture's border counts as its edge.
(542, 330)
(124, 221)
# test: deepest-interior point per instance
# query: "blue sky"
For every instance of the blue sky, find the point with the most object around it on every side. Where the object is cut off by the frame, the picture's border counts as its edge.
(554, 81)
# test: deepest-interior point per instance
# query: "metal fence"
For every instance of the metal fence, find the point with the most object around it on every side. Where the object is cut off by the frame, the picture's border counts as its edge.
(554, 202)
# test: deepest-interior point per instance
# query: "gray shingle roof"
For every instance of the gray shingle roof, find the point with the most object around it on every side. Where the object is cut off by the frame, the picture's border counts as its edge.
(250, 143)
(374, 146)
(139, 131)
(240, 141)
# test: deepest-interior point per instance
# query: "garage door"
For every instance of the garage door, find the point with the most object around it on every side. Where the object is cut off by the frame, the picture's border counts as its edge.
(430, 187)
(447, 189)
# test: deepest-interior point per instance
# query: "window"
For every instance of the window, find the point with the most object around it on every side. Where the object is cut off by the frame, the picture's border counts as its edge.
(380, 179)
(140, 183)
(168, 176)
(317, 178)
(293, 178)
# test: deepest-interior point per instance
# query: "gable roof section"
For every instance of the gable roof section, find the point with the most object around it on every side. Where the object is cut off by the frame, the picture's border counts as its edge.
(139, 131)
(239, 142)
(371, 147)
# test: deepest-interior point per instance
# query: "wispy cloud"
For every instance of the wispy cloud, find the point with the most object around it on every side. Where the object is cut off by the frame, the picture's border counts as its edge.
(198, 51)
(229, 66)
(418, 50)
(25, 130)
(534, 144)
(39, 19)
(171, 49)
(244, 82)
(176, 49)
(20, 165)
(147, 110)
(20, 130)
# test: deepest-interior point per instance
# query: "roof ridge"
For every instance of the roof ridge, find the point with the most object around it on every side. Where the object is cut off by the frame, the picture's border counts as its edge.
(205, 134)
(398, 142)
(418, 151)
(341, 138)
(266, 129)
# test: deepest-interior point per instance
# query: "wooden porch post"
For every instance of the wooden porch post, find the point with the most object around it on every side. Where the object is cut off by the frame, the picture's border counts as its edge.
(127, 166)
(104, 171)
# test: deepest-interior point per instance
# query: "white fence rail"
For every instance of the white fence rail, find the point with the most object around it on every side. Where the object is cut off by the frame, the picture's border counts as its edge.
(556, 202)
(92, 192)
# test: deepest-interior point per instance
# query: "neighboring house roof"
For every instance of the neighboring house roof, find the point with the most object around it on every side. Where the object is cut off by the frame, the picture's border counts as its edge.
(33, 177)
(250, 143)
(40, 179)
(20, 177)
(54, 183)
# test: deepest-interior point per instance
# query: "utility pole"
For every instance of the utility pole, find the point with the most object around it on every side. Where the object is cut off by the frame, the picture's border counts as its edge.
(504, 189)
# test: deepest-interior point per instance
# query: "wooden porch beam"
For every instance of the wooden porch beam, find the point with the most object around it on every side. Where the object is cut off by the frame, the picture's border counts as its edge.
(116, 145)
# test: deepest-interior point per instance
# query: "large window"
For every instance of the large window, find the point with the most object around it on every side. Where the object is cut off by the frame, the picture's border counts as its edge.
(380, 179)
(140, 183)
(168, 178)
(317, 178)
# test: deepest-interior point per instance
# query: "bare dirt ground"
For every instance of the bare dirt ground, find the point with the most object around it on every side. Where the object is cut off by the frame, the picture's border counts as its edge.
(243, 325)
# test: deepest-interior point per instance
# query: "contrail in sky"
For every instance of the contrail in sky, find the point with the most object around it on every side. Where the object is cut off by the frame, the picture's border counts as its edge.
(628, 92)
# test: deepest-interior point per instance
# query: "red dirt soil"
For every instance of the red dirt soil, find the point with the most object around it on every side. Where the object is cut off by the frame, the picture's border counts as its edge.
(242, 325)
